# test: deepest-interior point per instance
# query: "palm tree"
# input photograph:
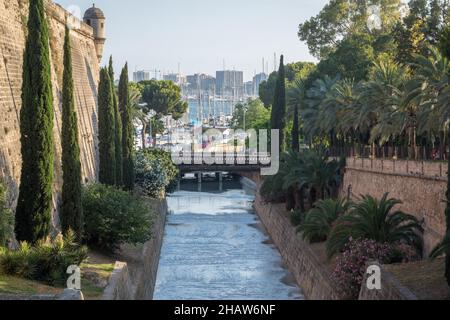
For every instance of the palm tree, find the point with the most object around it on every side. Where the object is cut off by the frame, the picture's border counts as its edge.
(374, 219)
(320, 219)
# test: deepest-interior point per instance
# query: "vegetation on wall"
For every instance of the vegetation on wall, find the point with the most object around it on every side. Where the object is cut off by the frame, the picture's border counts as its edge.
(6, 218)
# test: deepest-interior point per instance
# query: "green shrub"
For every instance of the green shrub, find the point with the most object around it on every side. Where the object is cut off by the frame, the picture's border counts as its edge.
(6, 219)
(47, 261)
(320, 219)
(375, 220)
(114, 216)
(156, 174)
(297, 217)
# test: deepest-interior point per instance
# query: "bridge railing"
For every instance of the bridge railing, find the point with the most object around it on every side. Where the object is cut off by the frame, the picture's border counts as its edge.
(222, 159)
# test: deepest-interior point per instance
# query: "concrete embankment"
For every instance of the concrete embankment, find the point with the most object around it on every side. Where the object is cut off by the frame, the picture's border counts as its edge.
(310, 273)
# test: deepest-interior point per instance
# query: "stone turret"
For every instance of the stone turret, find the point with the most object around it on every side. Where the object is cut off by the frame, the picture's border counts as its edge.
(96, 19)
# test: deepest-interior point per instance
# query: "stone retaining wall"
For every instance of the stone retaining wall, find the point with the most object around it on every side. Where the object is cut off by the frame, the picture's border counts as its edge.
(391, 289)
(421, 186)
(311, 276)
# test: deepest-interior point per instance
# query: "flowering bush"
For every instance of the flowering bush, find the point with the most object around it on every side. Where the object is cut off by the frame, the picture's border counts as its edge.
(155, 172)
(350, 266)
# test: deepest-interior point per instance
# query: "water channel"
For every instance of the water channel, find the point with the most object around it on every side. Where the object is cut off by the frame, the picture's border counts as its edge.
(215, 248)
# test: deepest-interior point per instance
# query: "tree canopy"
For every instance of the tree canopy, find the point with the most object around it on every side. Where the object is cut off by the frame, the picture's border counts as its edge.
(164, 97)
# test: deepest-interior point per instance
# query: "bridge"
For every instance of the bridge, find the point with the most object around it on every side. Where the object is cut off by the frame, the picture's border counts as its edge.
(200, 162)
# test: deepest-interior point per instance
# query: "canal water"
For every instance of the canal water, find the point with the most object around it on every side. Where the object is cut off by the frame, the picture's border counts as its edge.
(215, 248)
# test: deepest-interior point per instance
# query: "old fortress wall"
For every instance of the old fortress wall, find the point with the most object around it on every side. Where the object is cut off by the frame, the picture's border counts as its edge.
(13, 19)
(420, 185)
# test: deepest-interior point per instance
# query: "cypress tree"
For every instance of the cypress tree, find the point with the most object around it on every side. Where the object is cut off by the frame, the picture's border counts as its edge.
(106, 130)
(118, 129)
(127, 131)
(71, 213)
(278, 118)
(447, 216)
(295, 131)
(34, 207)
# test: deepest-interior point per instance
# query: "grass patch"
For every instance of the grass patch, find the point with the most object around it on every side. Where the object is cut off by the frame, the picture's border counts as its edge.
(95, 272)
(15, 285)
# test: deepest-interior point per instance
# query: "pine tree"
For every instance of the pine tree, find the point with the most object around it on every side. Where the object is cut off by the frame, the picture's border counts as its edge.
(106, 130)
(295, 131)
(118, 129)
(34, 207)
(278, 118)
(71, 214)
(127, 131)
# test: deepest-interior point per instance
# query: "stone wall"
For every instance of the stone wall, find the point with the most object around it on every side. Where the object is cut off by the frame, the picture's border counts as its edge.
(119, 284)
(391, 289)
(311, 275)
(13, 18)
(421, 186)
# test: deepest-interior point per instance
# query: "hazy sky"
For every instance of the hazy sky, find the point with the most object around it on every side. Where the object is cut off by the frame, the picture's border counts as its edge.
(200, 34)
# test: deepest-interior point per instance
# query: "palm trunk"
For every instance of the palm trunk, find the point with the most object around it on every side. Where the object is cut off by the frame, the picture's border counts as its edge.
(144, 129)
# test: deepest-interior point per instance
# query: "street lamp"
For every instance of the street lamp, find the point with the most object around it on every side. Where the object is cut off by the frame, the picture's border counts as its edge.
(245, 109)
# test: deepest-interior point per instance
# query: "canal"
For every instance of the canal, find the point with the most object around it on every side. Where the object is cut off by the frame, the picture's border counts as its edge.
(215, 248)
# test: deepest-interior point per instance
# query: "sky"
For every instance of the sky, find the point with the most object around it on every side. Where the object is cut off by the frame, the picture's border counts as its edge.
(198, 35)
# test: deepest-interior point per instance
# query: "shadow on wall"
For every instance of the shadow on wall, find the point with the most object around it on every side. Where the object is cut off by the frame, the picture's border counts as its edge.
(93, 86)
(7, 177)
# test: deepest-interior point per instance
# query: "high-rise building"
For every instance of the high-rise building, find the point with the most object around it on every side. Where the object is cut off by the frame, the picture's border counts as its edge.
(230, 83)
(203, 82)
(249, 90)
(141, 75)
(176, 78)
(257, 79)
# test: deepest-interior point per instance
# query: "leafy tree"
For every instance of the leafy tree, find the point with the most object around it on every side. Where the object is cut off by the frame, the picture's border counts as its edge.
(127, 130)
(118, 129)
(444, 42)
(106, 130)
(267, 89)
(164, 97)
(374, 219)
(34, 207)
(257, 116)
(278, 120)
(71, 213)
(114, 217)
(341, 18)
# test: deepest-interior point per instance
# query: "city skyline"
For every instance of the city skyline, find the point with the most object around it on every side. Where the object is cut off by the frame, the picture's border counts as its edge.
(201, 34)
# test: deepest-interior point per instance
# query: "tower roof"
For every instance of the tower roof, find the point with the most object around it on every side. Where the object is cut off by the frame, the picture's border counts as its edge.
(94, 13)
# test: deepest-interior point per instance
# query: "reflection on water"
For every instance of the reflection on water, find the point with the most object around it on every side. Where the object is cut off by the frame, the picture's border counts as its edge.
(214, 248)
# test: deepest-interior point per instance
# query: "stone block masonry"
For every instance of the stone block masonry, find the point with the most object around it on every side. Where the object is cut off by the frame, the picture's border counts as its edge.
(421, 187)
(13, 19)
